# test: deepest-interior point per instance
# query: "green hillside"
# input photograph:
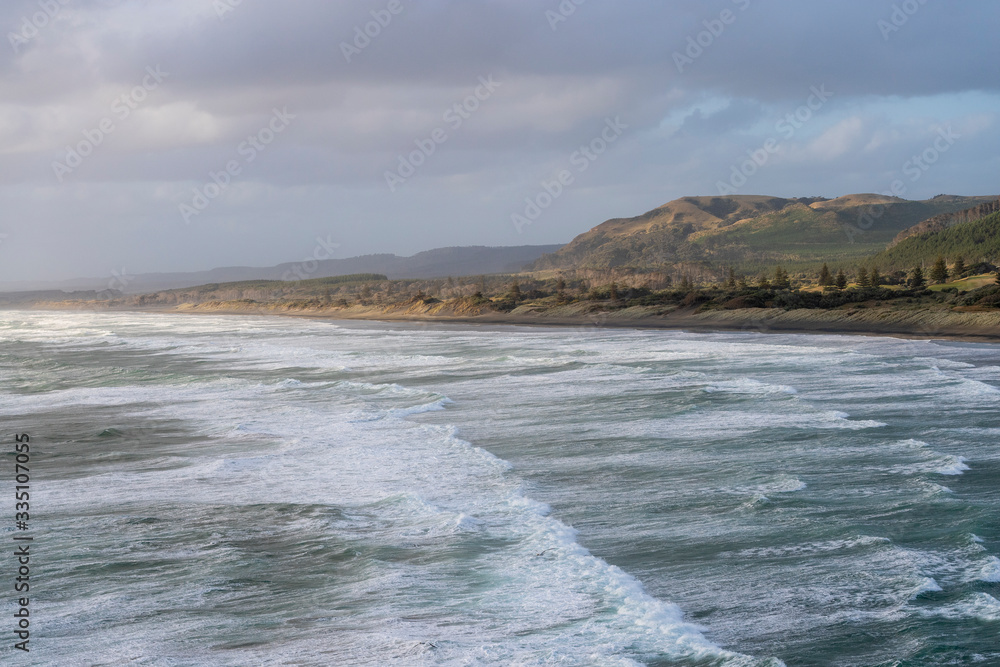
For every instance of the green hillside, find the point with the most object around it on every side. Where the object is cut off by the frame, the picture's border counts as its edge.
(977, 241)
(751, 233)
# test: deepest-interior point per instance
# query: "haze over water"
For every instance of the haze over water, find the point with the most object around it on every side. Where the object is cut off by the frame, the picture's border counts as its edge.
(231, 491)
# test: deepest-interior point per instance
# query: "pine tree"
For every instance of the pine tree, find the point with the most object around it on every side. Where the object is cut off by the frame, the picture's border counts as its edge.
(781, 280)
(939, 272)
(515, 290)
(959, 268)
(614, 291)
(731, 281)
(841, 280)
(763, 283)
(824, 276)
(875, 279)
(863, 278)
(917, 277)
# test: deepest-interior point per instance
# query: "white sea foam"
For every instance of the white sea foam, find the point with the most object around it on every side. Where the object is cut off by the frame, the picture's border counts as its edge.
(749, 386)
(926, 585)
(436, 484)
(356, 452)
(811, 549)
(980, 606)
(952, 465)
(991, 570)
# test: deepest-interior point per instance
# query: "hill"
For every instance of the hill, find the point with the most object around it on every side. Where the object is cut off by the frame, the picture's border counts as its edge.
(939, 222)
(750, 232)
(437, 263)
(975, 241)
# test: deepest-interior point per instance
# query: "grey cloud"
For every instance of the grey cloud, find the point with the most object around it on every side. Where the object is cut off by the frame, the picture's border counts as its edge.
(325, 173)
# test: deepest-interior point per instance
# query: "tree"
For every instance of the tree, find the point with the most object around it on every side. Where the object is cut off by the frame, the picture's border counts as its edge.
(515, 290)
(959, 268)
(841, 280)
(939, 272)
(917, 277)
(781, 280)
(731, 280)
(763, 283)
(613, 293)
(863, 278)
(824, 276)
(875, 279)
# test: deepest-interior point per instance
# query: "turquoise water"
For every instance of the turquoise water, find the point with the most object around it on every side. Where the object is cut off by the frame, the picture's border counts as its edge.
(240, 491)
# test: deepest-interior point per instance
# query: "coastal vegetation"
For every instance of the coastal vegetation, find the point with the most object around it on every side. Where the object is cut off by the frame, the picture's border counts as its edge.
(949, 266)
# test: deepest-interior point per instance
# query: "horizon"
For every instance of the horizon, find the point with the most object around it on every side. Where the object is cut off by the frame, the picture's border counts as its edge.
(120, 280)
(195, 135)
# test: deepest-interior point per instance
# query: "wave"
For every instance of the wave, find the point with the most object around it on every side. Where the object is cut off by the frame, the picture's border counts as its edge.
(978, 606)
(926, 585)
(749, 386)
(811, 548)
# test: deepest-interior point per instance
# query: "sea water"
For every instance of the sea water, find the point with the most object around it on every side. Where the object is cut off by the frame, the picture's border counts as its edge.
(215, 490)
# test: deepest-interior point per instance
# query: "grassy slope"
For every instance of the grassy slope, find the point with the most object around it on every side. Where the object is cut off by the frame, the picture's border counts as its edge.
(796, 234)
(974, 241)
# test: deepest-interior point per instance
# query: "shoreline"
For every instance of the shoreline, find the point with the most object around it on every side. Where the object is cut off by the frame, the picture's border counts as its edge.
(981, 326)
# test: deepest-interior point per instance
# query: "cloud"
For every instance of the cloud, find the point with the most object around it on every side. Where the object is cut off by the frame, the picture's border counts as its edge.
(353, 120)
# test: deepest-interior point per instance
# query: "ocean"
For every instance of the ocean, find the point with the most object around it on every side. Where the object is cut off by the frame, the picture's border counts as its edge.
(221, 490)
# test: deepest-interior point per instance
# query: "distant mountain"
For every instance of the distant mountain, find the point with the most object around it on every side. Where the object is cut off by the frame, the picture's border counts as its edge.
(437, 263)
(23, 298)
(976, 241)
(751, 232)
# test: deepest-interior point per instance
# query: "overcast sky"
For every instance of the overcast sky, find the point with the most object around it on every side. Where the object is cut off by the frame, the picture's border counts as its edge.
(114, 117)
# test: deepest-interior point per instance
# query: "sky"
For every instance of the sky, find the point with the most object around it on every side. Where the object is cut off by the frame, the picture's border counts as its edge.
(177, 135)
